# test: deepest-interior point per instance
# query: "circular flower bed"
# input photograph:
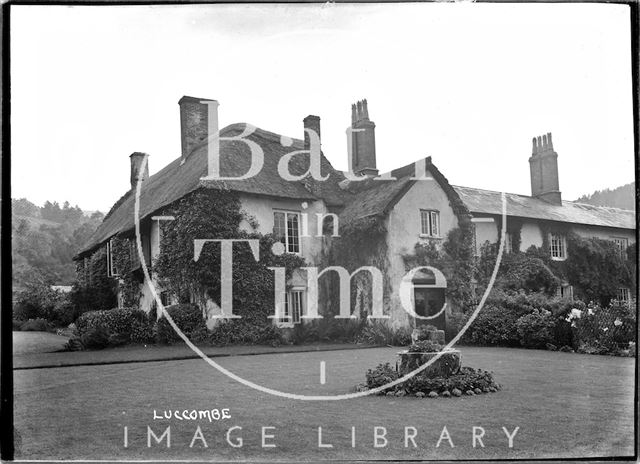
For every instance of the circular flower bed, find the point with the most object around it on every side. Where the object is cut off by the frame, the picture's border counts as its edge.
(467, 381)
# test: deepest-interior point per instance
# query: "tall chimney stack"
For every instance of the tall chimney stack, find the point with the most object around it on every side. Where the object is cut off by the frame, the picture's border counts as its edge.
(363, 153)
(313, 123)
(136, 168)
(193, 123)
(543, 166)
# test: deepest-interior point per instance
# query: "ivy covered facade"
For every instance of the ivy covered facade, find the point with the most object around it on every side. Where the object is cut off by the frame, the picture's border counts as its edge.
(433, 244)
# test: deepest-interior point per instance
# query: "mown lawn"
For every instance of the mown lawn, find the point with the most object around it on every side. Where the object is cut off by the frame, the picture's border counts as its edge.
(565, 405)
(37, 342)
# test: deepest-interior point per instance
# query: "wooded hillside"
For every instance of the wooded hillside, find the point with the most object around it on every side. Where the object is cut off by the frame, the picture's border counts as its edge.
(44, 240)
(621, 197)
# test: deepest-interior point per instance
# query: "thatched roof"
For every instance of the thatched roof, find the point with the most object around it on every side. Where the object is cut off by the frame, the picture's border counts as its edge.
(355, 200)
(374, 197)
(177, 180)
(480, 201)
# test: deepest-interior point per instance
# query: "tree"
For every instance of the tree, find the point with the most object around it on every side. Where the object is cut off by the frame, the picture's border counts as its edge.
(23, 207)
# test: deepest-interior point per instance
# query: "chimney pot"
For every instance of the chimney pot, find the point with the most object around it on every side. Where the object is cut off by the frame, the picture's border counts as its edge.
(363, 155)
(543, 164)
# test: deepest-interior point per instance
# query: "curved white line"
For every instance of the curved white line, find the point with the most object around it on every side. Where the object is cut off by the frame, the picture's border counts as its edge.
(295, 396)
(433, 316)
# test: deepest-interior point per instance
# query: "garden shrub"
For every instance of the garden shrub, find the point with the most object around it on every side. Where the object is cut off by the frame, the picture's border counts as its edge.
(95, 337)
(74, 344)
(41, 301)
(466, 379)
(245, 331)
(93, 290)
(142, 330)
(35, 325)
(518, 271)
(536, 329)
(380, 333)
(497, 322)
(607, 329)
(188, 318)
(17, 325)
(522, 272)
(562, 333)
(35, 301)
(64, 312)
(596, 269)
(455, 322)
(328, 329)
(493, 326)
(381, 375)
(425, 346)
(119, 323)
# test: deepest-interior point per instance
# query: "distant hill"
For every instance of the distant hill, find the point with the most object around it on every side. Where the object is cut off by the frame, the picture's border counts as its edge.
(621, 197)
(44, 240)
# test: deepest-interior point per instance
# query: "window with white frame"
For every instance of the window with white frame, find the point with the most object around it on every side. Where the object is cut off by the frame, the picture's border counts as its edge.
(623, 295)
(133, 254)
(111, 265)
(293, 308)
(286, 228)
(622, 243)
(565, 291)
(430, 223)
(558, 247)
(293, 305)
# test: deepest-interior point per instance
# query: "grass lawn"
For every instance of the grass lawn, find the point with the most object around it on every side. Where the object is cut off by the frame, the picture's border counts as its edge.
(565, 405)
(37, 342)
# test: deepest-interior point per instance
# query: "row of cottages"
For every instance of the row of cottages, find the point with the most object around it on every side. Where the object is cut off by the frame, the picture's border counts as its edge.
(414, 204)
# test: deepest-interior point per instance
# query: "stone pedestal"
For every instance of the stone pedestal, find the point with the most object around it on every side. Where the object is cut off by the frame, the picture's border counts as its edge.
(447, 364)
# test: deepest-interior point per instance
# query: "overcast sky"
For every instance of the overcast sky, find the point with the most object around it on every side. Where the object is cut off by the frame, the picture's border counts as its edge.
(468, 84)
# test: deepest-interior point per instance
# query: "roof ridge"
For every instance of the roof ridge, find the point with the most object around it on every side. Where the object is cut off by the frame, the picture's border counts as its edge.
(265, 134)
(495, 191)
(534, 198)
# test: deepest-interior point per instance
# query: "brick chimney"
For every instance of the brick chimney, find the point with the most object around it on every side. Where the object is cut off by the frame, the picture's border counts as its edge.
(363, 154)
(544, 170)
(311, 122)
(136, 168)
(193, 123)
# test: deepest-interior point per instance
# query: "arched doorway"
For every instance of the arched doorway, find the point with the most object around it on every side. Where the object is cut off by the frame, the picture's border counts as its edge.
(429, 286)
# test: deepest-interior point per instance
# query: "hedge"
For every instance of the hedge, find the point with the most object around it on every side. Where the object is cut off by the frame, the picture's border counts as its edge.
(121, 325)
(537, 321)
(188, 318)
